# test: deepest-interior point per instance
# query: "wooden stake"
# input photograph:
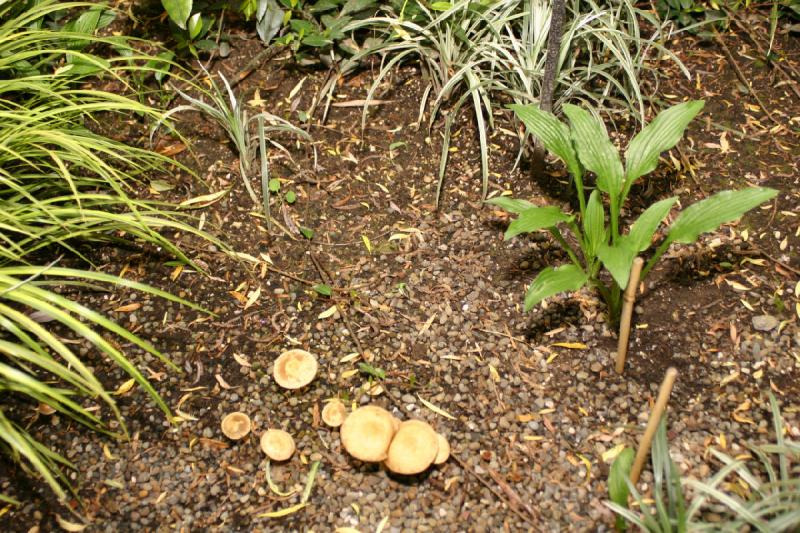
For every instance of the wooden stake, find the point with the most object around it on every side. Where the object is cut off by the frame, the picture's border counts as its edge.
(627, 311)
(652, 423)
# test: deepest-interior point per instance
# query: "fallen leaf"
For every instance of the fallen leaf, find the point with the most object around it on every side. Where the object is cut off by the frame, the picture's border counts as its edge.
(222, 382)
(609, 455)
(125, 387)
(128, 308)
(252, 297)
(66, 525)
(329, 312)
(435, 409)
(571, 345)
(241, 360)
(283, 512)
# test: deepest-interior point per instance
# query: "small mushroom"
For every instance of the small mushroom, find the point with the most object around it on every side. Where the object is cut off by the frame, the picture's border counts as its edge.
(295, 369)
(444, 450)
(395, 423)
(334, 413)
(277, 444)
(236, 425)
(413, 448)
(367, 433)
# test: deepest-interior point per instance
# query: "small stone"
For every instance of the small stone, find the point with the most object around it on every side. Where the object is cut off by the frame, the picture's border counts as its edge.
(596, 367)
(765, 322)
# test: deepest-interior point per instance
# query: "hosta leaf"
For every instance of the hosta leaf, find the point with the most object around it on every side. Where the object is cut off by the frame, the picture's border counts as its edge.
(707, 215)
(551, 281)
(553, 133)
(618, 481)
(536, 218)
(646, 225)
(618, 259)
(512, 205)
(178, 11)
(595, 151)
(660, 135)
(594, 224)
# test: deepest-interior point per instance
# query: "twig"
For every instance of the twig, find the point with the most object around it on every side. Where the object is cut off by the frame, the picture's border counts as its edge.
(741, 76)
(494, 491)
(787, 70)
(264, 55)
(759, 251)
(309, 282)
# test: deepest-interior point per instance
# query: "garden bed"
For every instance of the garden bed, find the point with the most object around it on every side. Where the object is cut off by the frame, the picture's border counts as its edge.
(435, 300)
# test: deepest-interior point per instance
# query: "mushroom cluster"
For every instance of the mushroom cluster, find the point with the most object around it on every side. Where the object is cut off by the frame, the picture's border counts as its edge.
(371, 434)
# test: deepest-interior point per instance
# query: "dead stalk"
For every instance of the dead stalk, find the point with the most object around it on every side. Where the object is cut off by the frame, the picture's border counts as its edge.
(652, 423)
(627, 311)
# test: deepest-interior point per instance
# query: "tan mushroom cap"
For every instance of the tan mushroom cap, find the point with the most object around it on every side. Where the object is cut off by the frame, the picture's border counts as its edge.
(277, 444)
(235, 425)
(367, 433)
(334, 413)
(444, 450)
(295, 369)
(413, 448)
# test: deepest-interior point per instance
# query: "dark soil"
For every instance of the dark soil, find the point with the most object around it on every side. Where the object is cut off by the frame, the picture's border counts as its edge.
(435, 299)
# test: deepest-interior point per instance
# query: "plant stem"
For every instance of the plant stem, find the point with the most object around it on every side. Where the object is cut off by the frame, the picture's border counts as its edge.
(563, 242)
(656, 256)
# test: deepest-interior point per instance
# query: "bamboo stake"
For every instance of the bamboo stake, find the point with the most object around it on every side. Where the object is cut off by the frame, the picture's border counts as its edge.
(652, 423)
(627, 311)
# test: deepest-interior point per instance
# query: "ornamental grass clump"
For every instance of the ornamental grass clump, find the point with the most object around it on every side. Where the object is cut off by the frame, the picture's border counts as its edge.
(64, 189)
(598, 240)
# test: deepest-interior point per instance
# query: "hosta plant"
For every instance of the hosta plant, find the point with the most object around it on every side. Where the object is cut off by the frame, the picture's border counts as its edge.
(598, 238)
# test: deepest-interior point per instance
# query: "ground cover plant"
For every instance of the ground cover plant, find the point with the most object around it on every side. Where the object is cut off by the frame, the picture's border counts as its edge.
(66, 188)
(769, 501)
(584, 146)
(478, 52)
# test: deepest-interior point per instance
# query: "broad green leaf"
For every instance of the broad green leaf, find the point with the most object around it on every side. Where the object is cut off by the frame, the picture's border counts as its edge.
(552, 281)
(553, 133)
(594, 224)
(178, 11)
(642, 231)
(595, 151)
(195, 25)
(274, 185)
(512, 205)
(618, 259)
(618, 482)
(660, 135)
(707, 215)
(323, 289)
(536, 218)
(291, 197)
(354, 6)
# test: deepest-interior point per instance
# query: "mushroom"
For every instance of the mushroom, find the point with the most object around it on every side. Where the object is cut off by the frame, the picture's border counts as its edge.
(395, 423)
(367, 433)
(235, 425)
(334, 413)
(295, 369)
(277, 444)
(413, 448)
(444, 450)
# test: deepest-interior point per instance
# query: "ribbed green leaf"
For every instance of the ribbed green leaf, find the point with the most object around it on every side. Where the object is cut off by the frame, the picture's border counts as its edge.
(660, 135)
(642, 230)
(618, 259)
(178, 11)
(554, 134)
(595, 151)
(512, 205)
(594, 224)
(707, 215)
(618, 481)
(536, 218)
(552, 281)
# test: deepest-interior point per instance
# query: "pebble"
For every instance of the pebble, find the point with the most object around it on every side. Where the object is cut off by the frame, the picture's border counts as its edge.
(765, 322)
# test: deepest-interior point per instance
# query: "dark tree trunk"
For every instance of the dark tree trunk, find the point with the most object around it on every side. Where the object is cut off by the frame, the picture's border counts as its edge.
(549, 81)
